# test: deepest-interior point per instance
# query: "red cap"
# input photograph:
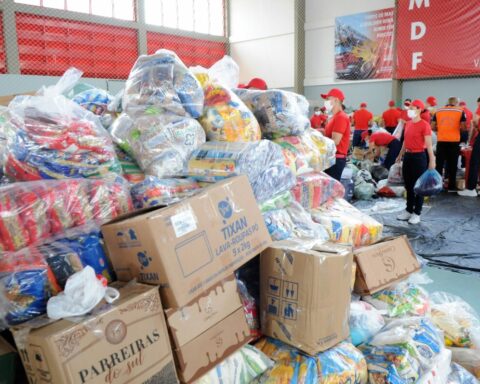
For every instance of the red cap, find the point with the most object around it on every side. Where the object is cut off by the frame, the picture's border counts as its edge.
(432, 100)
(462, 104)
(363, 105)
(364, 135)
(419, 104)
(242, 86)
(391, 103)
(257, 83)
(407, 103)
(334, 92)
(323, 109)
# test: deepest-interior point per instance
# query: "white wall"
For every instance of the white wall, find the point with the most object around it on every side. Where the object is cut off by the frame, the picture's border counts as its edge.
(262, 40)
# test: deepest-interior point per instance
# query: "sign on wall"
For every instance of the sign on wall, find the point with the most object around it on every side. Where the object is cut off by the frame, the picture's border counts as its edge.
(364, 45)
(438, 38)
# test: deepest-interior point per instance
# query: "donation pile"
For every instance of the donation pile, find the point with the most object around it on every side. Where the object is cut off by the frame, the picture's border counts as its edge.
(199, 240)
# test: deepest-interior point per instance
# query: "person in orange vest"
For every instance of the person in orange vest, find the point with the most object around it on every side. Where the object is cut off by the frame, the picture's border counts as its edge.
(449, 121)
(390, 117)
(362, 120)
(338, 129)
(319, 118)
(379, 140)
(472, 182)
(417, 138)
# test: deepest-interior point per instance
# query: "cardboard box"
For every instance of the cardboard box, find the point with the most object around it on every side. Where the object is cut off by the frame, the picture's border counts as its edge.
(209, 349)
(123, 342)
(190, 321)
(8, 362)
(382, 264)
(305, 295)
(188, 247)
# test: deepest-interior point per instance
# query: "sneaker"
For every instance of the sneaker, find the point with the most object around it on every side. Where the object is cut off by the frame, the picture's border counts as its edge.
(415, 219)
(404, 216)
(468, 193)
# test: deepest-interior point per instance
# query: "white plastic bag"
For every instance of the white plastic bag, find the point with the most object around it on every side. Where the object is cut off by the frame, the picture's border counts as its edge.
(83, 291)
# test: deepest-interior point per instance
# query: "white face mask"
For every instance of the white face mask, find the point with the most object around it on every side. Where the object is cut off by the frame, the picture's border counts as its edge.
(411, 113)
(317, 113)
(328, 105)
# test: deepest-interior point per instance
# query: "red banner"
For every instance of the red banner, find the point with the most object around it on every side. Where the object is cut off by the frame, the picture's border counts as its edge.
(438, 38)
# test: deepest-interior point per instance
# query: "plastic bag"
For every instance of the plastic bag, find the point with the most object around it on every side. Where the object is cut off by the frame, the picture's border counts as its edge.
(395, 175)
(161, 82)
(365, 322)
(391, 191)
(403, 351)
(279, 113)
(4, 127)
(33, 211)
(96, 101)
(273, 180)
(250, 307)
(398, 133)
(279, 224)
(277, 202)
(379, 172)
(29, 277)
(460, 375)
(130, 169)
(347, 225)
(429, 184)
(340, 364)
(314, 189)
(468, 359)
(309, 152)
(153, 191)
(440, 370)
(241, 368)
(160, 143)
(457, 319)
(364, 190)
(349, 187)
(225, 71)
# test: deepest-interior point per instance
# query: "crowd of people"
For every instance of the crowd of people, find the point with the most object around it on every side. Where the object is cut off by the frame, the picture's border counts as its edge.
(421, 136)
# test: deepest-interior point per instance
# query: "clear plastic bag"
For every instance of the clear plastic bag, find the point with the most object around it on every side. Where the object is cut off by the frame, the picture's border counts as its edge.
(279, 224)
(29, 277)
(429, 184)
(309, 152)
(96, 101)
(395, 175)
(161, 82)
(314, 189)
(365, 322)
(130, 169)
(274, 180)
(460, 375)
(153, 191)
(33, 211)
(379, 172)
(364, 190)
(468, 359)
(277, 202)
(240, 368)
(250, 307)
(160, 143)
(347, 225)
(279, 113)
(225, 71)
(457, 319)
(304, 227)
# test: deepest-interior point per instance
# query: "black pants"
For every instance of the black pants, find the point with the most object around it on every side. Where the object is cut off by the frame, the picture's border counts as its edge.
(447, 158)
(474, 165)
(336, 170)
(394, 149)
(414, 165)
(390, 129)
(357, 139)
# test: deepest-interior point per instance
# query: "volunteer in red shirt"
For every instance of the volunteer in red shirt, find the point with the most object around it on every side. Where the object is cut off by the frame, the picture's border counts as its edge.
(469, 117)
(425, 115)
(379, 140)
(362, 120)
(338, 129)
(431, 104)
(390, 117)
(417, 137)
(319, 119)
(404, 112)
(474, 168)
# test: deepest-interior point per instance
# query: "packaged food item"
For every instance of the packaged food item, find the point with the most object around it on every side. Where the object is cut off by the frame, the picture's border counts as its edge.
(33, 211)
(250, 305)
(468, 359)
(241, 368)
(280, 113)
(316, 188)
(279, 224)
(460, 375)
(153, 191)
(277, 202)
(457, 319)
(130, 169)
(365, 322)
(347, 225)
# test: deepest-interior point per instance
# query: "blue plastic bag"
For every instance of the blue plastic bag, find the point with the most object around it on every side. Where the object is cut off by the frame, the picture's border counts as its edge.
(429, 184)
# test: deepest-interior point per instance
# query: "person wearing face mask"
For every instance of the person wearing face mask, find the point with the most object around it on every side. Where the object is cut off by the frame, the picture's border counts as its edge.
(417, 138)
(449, 121)
(338, 129)
(362, 120)
(318, 120)
(431, 104)
(380, 140)
(404, 112)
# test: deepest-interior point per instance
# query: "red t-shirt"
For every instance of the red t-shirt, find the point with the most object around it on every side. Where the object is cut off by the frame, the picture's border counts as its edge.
(391, 116)
(415, 135)
(478, 111)
(469, 115)
(340, 123)
(425, 115)
(381, 139)
(318, 121)
(404, 115)
(361, 119)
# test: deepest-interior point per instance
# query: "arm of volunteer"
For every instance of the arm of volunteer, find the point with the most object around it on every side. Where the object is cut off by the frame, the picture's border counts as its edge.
(431, 156)
(463, 122)
(402, 152)
(372, 148)
(337, 137)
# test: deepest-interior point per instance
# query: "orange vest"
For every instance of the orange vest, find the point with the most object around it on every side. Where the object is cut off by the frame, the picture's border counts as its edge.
(448, 123)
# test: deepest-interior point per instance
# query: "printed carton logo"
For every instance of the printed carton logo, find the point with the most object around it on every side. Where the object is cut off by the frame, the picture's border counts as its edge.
(143, 259)
(225, 209)
(389, 263)
(116, 331)
(127, 238)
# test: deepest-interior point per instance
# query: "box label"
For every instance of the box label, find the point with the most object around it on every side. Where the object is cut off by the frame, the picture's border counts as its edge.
(282, 298)
(184, 223)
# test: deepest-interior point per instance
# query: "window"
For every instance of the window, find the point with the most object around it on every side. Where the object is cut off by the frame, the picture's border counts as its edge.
(119, 9)
(202, 16)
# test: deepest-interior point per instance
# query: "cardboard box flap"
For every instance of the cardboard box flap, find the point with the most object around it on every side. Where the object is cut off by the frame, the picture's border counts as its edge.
(5, 347)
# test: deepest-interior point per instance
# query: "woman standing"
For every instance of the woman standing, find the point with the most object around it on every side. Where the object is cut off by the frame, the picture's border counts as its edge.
(417, 138)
